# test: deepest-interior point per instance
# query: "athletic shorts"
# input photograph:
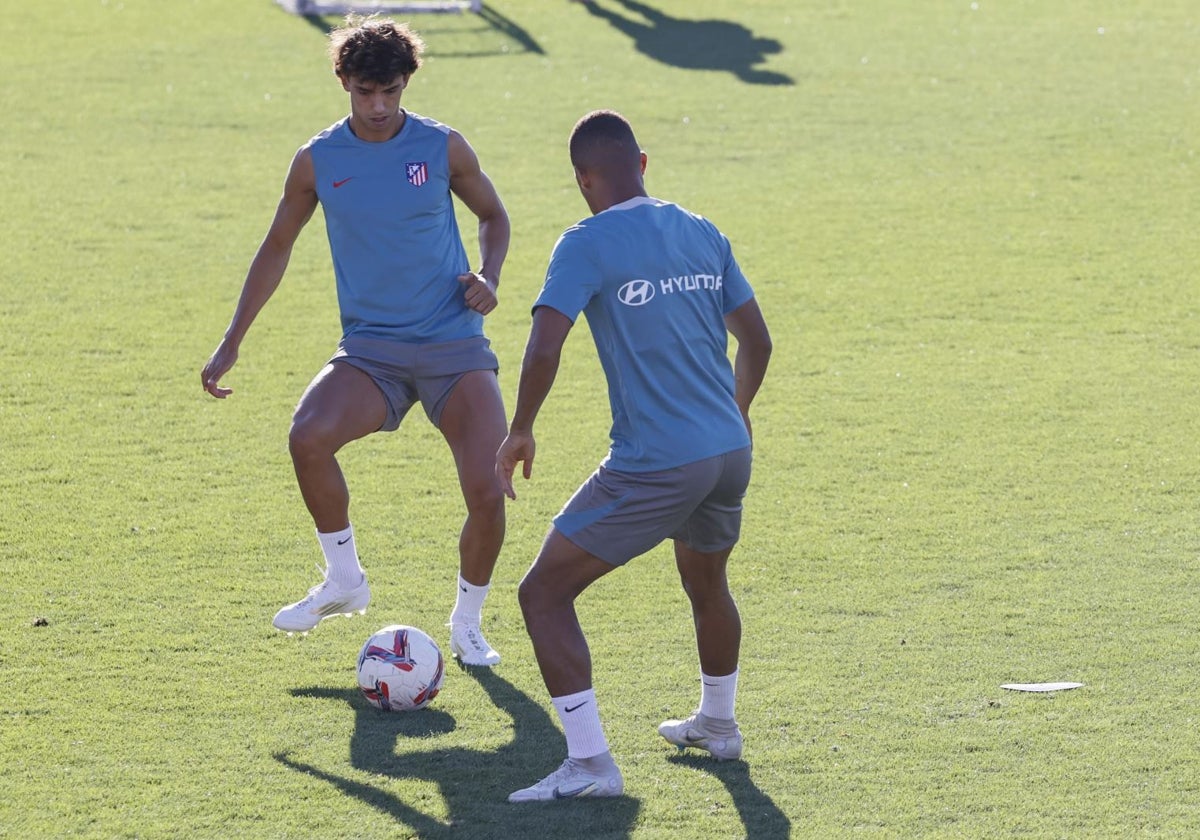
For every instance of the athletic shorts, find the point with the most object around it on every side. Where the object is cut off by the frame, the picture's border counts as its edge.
(618, 515)
(406, 373)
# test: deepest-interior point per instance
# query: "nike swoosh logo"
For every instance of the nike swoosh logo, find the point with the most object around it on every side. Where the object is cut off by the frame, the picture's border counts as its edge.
(343, 542)
(337, 184)
(569, 709)
(463, 588)
(559, 793)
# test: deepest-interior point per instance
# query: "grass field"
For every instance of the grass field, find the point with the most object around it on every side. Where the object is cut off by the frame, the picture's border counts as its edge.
(972, 228)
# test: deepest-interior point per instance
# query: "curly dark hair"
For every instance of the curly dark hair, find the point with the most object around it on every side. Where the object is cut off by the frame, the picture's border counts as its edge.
(374, 49)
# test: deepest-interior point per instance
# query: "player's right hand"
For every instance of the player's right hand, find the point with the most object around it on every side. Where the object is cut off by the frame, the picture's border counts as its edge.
(223, 358)
(517, 447)
(479, 292)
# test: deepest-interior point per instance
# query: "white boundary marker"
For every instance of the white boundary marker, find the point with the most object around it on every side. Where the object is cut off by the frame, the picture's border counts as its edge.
(1041, 687)
(330, 7)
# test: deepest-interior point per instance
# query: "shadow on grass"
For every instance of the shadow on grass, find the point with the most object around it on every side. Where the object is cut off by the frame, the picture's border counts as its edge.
(694, 44)
(319, 23)
(492, 19)
(760, 815)
(474, 784)
(509, 27)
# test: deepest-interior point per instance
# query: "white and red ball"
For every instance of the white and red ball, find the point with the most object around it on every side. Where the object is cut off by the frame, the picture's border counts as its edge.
(400, 669)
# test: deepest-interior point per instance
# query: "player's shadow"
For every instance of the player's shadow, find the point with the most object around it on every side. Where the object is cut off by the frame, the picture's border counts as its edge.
(760, 816)
(474, 783)
(694, 44)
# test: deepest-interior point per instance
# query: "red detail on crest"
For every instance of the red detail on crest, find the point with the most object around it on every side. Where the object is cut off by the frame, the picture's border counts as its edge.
(417, 173)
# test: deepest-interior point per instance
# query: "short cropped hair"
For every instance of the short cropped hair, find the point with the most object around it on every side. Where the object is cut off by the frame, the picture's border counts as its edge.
(603, 139)
(374, 49)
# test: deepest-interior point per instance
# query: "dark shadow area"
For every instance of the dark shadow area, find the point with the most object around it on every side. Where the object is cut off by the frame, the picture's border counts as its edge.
(693, 44)
(473, 783)
(492, 19)
(760, 815)
(509, 27)
(319, 23)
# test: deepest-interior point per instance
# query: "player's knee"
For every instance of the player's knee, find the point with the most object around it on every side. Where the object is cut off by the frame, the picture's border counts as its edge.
(695, 595)
(527, 595)
(534, 594)
(704, 587)
(307, 438)
(484, 496)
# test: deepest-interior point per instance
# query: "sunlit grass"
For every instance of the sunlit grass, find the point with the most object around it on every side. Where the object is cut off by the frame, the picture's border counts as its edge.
(971, 227)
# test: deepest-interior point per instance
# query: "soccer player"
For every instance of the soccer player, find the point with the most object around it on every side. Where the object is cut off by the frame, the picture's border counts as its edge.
(411, 311)
(661, 291)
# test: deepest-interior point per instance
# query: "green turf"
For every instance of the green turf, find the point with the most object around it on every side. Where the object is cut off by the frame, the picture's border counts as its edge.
(972, 227)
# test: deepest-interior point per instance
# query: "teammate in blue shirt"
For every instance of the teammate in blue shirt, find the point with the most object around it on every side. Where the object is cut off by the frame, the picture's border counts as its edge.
(412, 314)
(661, 292)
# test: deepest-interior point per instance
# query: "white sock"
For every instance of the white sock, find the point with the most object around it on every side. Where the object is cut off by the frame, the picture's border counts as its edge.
(581, 724)
(717, 695)
(468, 606)
(341, 557)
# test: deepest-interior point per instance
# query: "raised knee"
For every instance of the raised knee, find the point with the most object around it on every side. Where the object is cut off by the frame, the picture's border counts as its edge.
(306, 438)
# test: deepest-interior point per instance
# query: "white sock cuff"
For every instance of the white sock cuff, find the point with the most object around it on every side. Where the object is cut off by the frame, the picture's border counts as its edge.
(335, 537)
(573, 701)
(581, 724)
(468, 603)
(341, 556)
(717, 695)
(464, 584)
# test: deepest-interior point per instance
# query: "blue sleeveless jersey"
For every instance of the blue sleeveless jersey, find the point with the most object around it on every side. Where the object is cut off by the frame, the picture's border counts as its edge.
(655, 283)
(393, 236)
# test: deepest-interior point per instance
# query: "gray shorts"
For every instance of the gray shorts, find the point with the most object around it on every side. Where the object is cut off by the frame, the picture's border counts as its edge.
(406, 373)
(618, 515)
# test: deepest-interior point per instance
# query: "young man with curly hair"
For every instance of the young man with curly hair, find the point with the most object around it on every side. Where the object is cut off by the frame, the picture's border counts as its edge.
(412, 313)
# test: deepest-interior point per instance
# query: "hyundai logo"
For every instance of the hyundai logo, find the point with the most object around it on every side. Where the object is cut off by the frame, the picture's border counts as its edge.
(636, 292)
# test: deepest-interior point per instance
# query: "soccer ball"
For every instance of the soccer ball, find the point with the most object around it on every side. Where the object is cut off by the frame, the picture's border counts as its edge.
(400, 669)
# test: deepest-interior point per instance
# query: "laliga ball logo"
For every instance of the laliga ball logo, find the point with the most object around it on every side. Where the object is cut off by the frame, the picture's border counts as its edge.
(636, 293)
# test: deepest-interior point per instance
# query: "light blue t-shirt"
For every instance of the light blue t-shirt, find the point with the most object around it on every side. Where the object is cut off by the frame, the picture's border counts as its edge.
(655, 283)
(396, 248)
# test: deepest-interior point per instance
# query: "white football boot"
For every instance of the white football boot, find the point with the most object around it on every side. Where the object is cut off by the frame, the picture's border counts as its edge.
(572, 781)
(323, 601)
(721, 738)
(469, 645)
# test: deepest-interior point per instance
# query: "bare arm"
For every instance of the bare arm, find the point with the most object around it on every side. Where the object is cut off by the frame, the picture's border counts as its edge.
(296, 207)
(538, 371)
(473, 187)
(746, 324)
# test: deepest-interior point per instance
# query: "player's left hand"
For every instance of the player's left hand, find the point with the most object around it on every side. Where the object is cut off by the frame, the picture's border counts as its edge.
(517, 447)
(480, 292)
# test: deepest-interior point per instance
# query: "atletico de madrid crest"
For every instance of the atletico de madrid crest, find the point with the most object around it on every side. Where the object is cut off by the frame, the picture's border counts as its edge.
(417, 173)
